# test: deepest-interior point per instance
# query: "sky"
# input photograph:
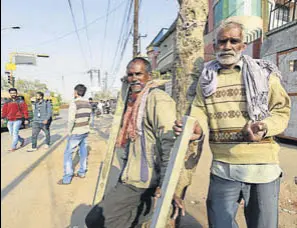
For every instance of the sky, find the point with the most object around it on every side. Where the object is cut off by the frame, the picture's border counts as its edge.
(47, 27)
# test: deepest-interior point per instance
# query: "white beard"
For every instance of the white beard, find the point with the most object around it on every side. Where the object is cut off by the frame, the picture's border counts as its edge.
(228, 60)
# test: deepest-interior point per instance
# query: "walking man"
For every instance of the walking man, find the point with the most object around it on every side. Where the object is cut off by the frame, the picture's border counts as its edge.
(78, 130)
(42, 118)
(242, 104)
(15, 111)
(93, 113)
(145, 140)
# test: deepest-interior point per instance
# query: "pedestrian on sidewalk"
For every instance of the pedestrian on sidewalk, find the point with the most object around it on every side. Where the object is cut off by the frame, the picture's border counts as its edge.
(42, 118)
(145, 140)
(93, 113)
(16, 112)
(78, 130)
(241, 102)
(100, 107)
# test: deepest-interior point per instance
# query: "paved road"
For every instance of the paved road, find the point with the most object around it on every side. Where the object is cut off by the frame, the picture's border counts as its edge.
(57, 132)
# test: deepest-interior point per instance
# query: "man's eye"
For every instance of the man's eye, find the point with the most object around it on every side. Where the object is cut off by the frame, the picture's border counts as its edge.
(222, 41)
(235, 41)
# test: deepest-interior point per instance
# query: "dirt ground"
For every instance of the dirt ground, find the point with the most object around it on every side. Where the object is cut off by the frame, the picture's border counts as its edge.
(31, 198)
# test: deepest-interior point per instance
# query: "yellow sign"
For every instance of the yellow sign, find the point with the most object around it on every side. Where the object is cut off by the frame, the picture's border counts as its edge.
(10, 66)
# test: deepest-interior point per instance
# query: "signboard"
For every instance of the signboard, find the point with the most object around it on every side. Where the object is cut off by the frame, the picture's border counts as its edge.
(10, 66)
(25, 59)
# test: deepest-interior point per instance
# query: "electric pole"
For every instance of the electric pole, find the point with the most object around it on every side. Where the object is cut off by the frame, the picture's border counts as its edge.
(105, 82)
(139, 37)
(63, 83)
(92, 72)
(135, 31)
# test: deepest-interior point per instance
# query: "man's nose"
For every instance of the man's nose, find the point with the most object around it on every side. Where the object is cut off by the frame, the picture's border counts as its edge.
(134, 77)
(228, 45)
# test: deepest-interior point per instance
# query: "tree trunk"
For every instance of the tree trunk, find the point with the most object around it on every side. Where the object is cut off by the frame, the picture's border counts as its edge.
(189, 52)
(188, 65)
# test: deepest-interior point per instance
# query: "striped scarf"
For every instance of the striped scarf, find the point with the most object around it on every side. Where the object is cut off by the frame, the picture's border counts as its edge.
(132, 121)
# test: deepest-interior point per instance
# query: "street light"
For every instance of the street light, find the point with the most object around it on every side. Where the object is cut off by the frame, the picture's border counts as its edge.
(12, 27)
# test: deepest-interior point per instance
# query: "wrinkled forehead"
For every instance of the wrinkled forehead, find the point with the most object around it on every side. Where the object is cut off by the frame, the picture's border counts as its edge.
(137, 66)
(230, 32)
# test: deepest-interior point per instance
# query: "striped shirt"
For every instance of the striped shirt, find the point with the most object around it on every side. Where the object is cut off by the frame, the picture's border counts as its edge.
(79, 116)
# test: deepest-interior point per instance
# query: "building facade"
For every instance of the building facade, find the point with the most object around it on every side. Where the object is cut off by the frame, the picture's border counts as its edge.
(280, 47)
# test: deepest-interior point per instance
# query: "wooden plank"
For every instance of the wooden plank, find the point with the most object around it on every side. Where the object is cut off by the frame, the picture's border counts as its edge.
(175, 165)
(105, 170)
(282, 136)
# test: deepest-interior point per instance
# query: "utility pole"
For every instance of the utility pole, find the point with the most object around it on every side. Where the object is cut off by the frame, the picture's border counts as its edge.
(135, 31)
(92, 72)
(105, 82)
(139, 37)
(99, 79)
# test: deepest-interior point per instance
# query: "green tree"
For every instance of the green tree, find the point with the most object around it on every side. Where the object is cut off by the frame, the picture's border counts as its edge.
(31, 87)
(4, 83)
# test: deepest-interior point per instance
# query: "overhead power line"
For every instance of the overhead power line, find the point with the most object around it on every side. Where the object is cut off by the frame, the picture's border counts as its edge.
(87, 30)
(76, 31)
(123, 34)
(80, 29)
(125, 42)
(121, 57)
(104, 36)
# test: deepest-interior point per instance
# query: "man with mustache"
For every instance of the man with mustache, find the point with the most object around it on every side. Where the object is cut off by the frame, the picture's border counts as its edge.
(15, 110)
(242, 104)
(145, 139)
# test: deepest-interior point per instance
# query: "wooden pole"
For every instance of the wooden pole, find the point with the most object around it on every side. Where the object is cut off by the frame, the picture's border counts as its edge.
(135, 31)
(107, 164)
(171, 178)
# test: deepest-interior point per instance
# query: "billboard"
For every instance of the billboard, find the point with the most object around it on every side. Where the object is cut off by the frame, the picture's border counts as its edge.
(25, 60)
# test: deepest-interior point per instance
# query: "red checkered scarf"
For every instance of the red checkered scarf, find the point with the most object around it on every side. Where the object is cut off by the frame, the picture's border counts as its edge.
(130, 128)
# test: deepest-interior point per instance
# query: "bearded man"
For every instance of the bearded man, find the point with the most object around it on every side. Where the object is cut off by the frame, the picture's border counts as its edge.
(242, 104)
(146, 138)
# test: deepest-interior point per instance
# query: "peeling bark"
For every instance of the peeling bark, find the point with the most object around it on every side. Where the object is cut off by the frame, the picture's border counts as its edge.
(189, 52)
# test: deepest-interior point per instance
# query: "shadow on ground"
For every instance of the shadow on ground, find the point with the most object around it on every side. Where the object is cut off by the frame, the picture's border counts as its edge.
(78, 216)
(24, 174)
(188, 221)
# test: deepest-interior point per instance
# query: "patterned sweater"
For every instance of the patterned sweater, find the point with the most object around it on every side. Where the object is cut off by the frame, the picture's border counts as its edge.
(79, 117)
(225, 114)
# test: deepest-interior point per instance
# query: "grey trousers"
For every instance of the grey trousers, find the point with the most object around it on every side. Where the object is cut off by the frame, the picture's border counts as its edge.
(123, 207)
(260, 203)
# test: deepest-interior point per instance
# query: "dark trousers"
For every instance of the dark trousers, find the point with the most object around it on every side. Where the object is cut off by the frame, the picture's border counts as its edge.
(124, 206)
(36, 128)
(260, 203)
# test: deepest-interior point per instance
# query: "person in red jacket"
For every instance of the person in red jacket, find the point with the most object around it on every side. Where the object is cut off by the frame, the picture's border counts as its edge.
(15, 110)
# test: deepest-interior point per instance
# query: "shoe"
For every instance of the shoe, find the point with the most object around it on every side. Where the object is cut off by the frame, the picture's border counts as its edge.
(22, 143)
(11, 150)
(46, 146)
(32, 150)
(80, 175)
(60, 182)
